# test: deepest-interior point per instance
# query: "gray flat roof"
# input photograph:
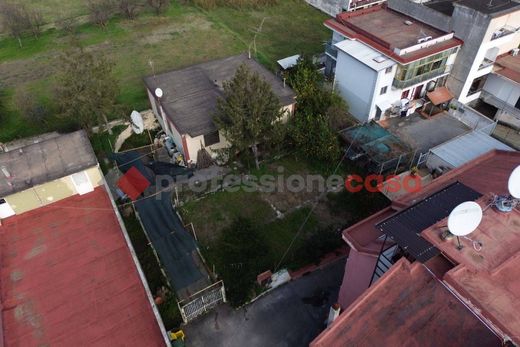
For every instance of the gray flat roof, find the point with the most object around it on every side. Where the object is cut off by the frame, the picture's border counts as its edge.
(44, 161)
(467, 147)
(190, 95)
(490, 7)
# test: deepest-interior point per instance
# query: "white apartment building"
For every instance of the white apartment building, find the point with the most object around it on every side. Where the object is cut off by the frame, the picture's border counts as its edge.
(489, 29)
(384, 62)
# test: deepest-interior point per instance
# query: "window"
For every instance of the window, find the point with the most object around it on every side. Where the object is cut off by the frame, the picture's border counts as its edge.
(436, 65)
(211, 138)
(388, 70)
(383, 90)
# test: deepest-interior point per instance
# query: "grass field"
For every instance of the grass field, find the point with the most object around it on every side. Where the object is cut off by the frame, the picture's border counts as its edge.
(183, 36)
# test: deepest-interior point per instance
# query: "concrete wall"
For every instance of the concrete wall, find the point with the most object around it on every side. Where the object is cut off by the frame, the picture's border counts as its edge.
(356, 83)
(502, 88)
(47, 193)
(471, 118)
(435, 162)
(330, 7)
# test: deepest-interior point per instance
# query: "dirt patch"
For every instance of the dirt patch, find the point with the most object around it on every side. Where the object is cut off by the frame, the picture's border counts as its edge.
(172, 30)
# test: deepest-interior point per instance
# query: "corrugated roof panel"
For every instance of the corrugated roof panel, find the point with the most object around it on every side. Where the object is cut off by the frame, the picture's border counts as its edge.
(365, 54)
(467, 147)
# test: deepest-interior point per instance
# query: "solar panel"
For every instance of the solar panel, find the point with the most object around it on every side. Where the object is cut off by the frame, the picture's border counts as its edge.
(406, 226)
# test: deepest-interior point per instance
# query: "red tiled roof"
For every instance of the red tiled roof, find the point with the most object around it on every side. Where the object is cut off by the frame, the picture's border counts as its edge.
(68, 278)
(489, 279)
(370, 26)
(406, 307)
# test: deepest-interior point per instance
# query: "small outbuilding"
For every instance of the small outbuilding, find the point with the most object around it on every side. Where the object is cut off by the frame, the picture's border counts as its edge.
(187, 100)
(462, 149)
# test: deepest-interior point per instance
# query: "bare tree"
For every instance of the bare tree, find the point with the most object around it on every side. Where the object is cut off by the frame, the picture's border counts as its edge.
(100, 11)
(67, 24)
(30, 107)
(159, 6)
(130, 8)
(14, 18)
(36, 21)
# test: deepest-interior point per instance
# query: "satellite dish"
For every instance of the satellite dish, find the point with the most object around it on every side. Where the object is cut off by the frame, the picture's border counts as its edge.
(465, 218)
(137, 122)
(158, 92)
(514, 183)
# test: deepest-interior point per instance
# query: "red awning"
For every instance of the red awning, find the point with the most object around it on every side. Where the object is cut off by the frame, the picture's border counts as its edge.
(440, 96)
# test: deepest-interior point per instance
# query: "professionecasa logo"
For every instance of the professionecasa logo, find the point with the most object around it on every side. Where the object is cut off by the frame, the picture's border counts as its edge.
(380, 183)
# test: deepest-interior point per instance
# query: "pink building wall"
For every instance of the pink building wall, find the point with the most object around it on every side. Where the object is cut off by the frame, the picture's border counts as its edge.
(358, 273)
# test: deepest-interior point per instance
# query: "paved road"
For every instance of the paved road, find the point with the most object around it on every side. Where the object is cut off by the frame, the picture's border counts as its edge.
(291, 315)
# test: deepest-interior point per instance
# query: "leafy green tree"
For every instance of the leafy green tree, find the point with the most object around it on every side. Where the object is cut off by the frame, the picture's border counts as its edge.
(248, 111)
(313, 136)
(86, 88)
(242, 248)
(314, 97)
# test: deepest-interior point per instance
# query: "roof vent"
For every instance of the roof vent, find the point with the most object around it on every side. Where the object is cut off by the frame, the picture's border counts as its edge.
(380, 59)
(6, 172)
(408, 22)
(424, 39)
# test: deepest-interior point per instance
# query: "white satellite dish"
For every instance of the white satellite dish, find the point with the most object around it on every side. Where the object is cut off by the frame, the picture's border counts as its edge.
(514, 183)
(158, 92)
(137, 122)
(465, 218)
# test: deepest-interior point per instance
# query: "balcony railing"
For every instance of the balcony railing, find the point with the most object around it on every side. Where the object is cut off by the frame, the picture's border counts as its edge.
(504, 31)
(331, 50)
(486, 63)
(421, 78)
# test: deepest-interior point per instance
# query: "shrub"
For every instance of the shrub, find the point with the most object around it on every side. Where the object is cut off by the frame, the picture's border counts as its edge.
(242, 257)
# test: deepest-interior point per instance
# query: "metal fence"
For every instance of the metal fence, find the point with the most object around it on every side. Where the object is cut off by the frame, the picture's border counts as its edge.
(202, 301)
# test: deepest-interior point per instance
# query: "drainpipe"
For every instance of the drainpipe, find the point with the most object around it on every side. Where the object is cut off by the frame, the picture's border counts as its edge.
(333, 314)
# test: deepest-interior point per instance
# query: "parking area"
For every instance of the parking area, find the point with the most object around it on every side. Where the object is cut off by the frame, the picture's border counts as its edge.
(291, 315)
(422, 134)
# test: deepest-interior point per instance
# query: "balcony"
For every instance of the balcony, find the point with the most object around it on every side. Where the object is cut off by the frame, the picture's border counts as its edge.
(504, 31)
(421, 78)
(486, 63)
(331, 50)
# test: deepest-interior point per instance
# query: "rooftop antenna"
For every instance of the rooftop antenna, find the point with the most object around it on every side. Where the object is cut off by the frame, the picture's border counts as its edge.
(507, 203)
(464, 219)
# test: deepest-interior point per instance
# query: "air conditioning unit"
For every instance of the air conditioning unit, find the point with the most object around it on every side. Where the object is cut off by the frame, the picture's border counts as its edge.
(515, 52)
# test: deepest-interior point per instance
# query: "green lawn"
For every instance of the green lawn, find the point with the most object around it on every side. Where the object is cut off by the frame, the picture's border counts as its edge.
(217, 211)
(183, 36)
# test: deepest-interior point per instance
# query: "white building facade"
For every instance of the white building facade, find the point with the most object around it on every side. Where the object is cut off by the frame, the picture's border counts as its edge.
(383, 76)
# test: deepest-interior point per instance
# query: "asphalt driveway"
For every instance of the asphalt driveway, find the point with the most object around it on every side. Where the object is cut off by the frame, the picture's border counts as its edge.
(291, 315)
